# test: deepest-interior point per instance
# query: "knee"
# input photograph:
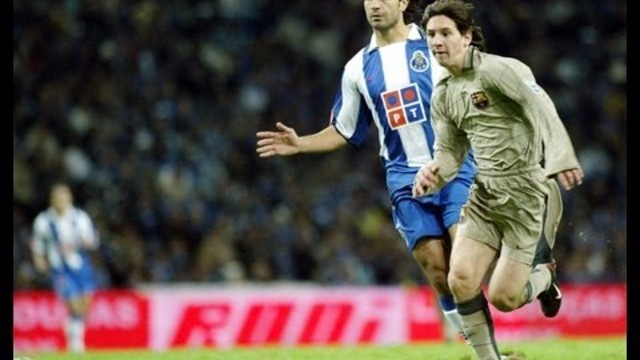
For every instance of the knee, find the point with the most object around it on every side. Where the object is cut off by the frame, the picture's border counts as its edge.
(78, 307)
(504, 301)
(460, 283)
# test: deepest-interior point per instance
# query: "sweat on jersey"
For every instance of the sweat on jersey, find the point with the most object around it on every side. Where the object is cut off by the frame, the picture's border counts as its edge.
(391, 86)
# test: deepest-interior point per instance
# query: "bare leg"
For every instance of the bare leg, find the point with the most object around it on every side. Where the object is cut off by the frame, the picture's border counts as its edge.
(432, 255)
(471, 261)
(75, 328)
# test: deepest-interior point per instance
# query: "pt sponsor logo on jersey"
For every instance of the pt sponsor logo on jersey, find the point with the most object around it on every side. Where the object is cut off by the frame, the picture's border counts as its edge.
(480, 100)
(403, 106)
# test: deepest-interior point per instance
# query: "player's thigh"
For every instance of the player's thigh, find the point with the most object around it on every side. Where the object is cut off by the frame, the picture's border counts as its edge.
(432, 254)
(77, 304)
(523, 226)
(85, 279)
(418, 222)
(452, 198)
(477, 221)
(469, 263)
(509, 278)
(64, 285)
(79, 285)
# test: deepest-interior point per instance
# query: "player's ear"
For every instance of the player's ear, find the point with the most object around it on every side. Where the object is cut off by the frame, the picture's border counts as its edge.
(404, 4)
(467, 37)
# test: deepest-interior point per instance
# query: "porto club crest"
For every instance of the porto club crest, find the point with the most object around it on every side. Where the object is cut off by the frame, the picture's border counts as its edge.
(419, 61)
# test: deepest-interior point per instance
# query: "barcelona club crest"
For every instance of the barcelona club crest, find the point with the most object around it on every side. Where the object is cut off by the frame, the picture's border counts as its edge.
(480, 100)
(419, 62)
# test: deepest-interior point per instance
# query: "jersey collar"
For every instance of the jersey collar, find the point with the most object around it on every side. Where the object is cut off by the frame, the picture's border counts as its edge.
(415, 33)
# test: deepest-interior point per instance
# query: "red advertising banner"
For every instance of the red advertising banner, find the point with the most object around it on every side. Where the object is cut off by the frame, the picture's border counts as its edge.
(163, 318)
(278, 316)
(117, 319)
(587, 310)
(38, 319)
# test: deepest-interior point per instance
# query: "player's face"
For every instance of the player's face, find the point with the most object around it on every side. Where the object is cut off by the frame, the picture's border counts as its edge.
(61, 198)
(447, 44)
(384, 14)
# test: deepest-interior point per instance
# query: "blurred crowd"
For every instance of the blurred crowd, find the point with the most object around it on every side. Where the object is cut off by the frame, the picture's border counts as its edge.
(149, 110)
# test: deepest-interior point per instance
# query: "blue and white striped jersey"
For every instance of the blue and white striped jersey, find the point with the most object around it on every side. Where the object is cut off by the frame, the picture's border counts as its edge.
(63, 239)
(391, 86)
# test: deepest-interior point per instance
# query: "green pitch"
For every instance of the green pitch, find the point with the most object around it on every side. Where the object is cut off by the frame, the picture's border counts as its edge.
(557, 349)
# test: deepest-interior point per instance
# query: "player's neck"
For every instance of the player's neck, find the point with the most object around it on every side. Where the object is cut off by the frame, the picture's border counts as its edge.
(61, 212)
(461, 63)
(395, 34)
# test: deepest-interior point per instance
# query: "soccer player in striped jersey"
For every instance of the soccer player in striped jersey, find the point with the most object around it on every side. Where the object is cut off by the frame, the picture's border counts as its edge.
(62, 234)
(388, 83)
(493, 106)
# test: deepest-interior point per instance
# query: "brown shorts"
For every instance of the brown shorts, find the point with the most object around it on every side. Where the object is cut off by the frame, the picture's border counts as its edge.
(509, 213)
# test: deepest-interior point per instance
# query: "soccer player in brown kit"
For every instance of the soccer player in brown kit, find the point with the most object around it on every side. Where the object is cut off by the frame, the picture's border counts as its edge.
(493, 106)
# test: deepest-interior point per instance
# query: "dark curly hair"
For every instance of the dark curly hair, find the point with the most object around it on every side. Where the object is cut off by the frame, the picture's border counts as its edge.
(461, 13)
(413, 11)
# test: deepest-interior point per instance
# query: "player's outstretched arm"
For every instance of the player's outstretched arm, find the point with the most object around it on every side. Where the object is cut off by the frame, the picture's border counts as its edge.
(287, 142)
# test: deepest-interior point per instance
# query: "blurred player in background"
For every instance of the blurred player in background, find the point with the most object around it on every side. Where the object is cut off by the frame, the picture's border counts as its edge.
(492, 105)
(389, 83)
(62, 236)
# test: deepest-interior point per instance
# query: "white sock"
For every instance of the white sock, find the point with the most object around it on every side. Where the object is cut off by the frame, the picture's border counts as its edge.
(453, 318)
(539, 281)
(75, 334)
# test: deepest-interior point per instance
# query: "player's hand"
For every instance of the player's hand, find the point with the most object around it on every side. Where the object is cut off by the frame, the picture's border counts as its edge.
(427, 177)
(283, 142)
(568, 179)
(67, 248)
(41, 265)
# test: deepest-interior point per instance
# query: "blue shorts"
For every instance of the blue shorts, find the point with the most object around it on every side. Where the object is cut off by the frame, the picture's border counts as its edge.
(70, 284)
(430, 216)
